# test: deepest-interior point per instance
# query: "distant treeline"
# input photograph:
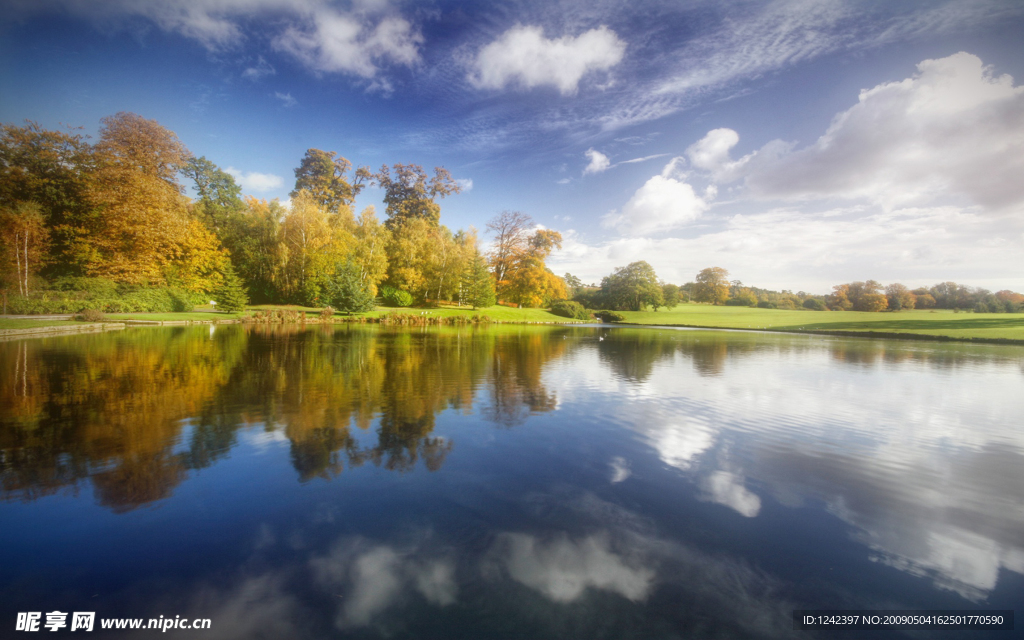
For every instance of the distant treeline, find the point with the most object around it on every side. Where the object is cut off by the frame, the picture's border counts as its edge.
(637, 287)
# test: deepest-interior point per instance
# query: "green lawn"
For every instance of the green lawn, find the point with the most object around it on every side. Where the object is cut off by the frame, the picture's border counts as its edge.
(174, 317)
(17, 323)
(920, 322)
(505, 314)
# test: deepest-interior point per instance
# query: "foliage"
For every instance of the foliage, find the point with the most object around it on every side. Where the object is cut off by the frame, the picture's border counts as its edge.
(393, 297)
(25, 239)
(477, 283)
(815, 304)
(743, 297)
(572, 284)
(324, 175)
(670, 295)
(712, 285)
(899, 297)
(327, 314)
(570, 309)
(91, 315)
(219, 194)
(410, 194)
(610, 316)
(346, 292)
(632, 287)
(230, 295)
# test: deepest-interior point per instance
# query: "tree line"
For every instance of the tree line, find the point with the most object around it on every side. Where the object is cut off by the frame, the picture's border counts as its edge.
(111, 222)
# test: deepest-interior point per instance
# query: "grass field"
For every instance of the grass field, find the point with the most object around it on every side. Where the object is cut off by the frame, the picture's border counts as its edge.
(989, 326)
(17, 323)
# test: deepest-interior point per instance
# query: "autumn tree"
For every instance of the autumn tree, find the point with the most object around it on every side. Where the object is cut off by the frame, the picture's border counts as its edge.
(899, 297)
(312, 248)
(324, 174)
(511, 230)
(530, 283)
(25, 239)
(252, 235)
(409, 193)
(51, 169)
(140, 210)
(370, 249)
(712, 285)
(839, 299)
(633, 287)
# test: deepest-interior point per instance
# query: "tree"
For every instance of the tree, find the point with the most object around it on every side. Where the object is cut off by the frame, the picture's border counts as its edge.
(712, 285)
(411, 194)
(141, 213)
(511, 231)
(370, 250)
(670, 294)
(230, 296)
(51, 169)
(900, 297)
(346, 292)
(25, 238)
(324, 174)
(257, 253)
(218, 193)
(477, 283)
(839, 299)
(633, 287)
(530, 283)
(573, 284)
(312, 248)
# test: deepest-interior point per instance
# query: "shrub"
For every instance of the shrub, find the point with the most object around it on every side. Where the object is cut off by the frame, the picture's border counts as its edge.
(786, 303)
(570, 309)
(393, 297)
(814, 304)
(765, 304)
(91, 315)
(327, 314)
(610, 316)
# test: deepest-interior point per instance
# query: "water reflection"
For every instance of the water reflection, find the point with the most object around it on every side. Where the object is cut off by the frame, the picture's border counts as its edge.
(520, 481)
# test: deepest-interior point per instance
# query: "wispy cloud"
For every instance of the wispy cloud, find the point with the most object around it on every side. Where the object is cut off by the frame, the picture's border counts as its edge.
(286, 98)
(261, 69)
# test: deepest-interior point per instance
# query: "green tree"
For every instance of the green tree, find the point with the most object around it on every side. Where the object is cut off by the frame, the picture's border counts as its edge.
(899, 297)
(218, 195)
(346, 291)
(633, 287)
(670, 294)
(573, 284)
(324, 174)
(477, 283)
(712, 285)
(409, 193)
(230, 295)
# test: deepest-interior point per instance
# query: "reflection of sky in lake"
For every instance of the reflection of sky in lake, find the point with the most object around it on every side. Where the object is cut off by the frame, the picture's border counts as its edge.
(525, 483)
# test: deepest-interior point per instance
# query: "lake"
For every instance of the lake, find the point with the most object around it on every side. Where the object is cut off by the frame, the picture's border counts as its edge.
(506, 481)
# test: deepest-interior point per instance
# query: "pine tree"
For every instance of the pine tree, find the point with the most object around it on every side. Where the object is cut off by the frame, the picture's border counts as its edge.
(346, 292)
(230, 295)
(478, 285)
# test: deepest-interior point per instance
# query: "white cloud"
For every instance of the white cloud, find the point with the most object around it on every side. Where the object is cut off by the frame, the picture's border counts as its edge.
(259, 70)
(524, 56)
(953, 129)
(620, 469)
(598, 162)
(333, 41)
(286, 98)
(253, 181)
(466, 184)
(325, 39)
(663, 203)
(727, 488)
(563, 569)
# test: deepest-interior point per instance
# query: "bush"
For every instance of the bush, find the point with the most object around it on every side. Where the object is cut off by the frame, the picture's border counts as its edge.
(764, 304)
(91, 315)
(610, 316)
(814, 304)
(327, 314)
(570, 309)
(393, 297)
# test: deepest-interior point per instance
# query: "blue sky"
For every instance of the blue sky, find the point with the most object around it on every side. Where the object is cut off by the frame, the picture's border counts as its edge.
(797, 144)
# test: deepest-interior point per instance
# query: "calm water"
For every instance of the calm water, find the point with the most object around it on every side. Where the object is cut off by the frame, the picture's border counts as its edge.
(511, 482)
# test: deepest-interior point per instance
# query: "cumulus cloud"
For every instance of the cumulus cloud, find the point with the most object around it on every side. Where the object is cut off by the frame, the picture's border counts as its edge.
(375, 576)
(953, 129)
(727, 488)
(598, 162)
(255, 182)
(663, 203)
(562, 569)
(522, 55)
(333, 41)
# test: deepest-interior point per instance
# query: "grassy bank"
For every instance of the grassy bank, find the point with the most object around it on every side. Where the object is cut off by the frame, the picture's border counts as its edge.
(938, 323)
(18, 323)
